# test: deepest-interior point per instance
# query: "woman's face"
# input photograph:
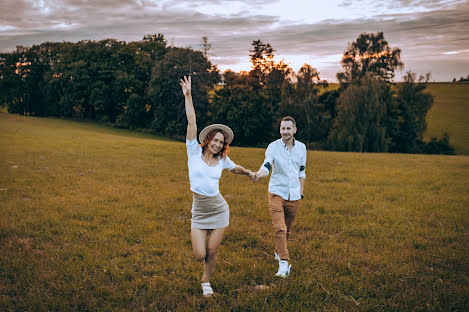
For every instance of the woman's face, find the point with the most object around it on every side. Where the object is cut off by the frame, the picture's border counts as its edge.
(216, 144)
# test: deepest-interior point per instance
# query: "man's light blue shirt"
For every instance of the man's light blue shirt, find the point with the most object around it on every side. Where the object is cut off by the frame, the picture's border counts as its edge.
(287, 167)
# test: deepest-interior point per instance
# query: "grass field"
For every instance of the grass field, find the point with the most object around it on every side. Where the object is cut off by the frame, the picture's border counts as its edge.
(450, 113)
(95, 219)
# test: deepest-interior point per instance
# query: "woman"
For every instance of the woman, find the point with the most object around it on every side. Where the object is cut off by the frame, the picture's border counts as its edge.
(210, 212)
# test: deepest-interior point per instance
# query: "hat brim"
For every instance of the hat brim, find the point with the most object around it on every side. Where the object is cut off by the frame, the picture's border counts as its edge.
(229, 133)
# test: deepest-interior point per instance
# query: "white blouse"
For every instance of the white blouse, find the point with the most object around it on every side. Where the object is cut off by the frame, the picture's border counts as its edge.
(204, 179)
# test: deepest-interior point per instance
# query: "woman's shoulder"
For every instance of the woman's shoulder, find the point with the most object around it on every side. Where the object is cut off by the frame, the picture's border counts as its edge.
(226, 162)
(193, 147)
(192, 141)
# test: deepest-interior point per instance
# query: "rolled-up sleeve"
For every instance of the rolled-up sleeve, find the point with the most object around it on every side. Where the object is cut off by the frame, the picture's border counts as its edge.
(302, 173)
(269, 158)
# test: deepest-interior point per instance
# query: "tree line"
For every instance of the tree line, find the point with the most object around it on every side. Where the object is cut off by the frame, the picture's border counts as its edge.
(135, 85)
(462, 79)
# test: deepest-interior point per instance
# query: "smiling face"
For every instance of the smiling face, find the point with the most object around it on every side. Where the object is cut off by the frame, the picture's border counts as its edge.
(217, 143)
(214, 143)
(287, 130)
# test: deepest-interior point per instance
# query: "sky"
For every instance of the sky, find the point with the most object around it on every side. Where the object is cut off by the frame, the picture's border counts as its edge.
(432, 35)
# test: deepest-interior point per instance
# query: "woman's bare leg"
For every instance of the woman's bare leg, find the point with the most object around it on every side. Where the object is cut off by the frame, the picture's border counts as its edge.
(199, 243)
(214, 239)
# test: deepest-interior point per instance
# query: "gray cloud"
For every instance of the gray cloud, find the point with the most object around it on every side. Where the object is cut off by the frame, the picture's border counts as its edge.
(420, 35)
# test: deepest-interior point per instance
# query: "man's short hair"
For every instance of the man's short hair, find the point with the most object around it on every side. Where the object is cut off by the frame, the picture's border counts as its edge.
(289, 118)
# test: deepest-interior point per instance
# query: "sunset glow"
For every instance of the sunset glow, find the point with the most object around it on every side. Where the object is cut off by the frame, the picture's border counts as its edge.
(300, 31)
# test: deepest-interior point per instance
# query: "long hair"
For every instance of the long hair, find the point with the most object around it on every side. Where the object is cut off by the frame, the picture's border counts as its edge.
(209, 137)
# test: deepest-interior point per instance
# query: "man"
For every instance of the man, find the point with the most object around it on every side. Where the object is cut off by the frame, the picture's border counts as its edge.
(286, 157)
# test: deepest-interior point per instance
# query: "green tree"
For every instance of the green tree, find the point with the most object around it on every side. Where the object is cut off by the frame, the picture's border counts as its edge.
(262, 60)
(29, 68)
(165, 96)
(11, 84)
(360, 125)
(158, 38)
(151, 48)
(369, 53)
(313, 117)
(276, 88)
(205, 46)
(240, 106)
(98, 77)
(408, 119)
(329, 100)
(437, 146)
(136, 113)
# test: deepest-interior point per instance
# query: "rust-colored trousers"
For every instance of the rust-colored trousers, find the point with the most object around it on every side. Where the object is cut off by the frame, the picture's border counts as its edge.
(283, 213)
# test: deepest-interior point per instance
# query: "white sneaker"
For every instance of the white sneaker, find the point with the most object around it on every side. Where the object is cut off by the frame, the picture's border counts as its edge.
(277, 257)
(283, 268)
(207, 290)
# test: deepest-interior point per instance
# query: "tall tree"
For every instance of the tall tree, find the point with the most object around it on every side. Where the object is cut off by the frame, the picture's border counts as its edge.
(370, 53)
(409, 116)
(164, 93)
(360, 125)
(11, 84)
(205, 46)
(247, 111)
(159, 38)
(136, 113)
(262, 60)
(277, 81)
(313, 115)
(152, 46)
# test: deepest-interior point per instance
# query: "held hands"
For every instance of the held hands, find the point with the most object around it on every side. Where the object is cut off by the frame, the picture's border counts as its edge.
(253, 175)
(186, 86)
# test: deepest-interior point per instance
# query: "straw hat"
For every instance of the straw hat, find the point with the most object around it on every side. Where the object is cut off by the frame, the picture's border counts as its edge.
(225, 129)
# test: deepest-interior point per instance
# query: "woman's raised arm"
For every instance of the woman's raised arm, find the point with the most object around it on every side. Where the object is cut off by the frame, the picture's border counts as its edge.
(190, 111)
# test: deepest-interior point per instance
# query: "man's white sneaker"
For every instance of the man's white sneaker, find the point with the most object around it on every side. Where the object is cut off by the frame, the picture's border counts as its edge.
(283, 268)
(277, 257)
(207, 290)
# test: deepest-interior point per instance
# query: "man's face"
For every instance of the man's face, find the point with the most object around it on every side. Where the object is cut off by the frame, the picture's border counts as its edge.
(287, 130)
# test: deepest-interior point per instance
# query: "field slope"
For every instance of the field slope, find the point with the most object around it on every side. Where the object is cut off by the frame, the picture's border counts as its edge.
(98, 219)
(450, 113)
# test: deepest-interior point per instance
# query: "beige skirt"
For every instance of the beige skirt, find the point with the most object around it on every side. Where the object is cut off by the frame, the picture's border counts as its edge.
(210, 213)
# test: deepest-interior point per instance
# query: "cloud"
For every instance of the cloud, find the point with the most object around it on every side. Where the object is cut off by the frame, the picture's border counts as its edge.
(420, 28)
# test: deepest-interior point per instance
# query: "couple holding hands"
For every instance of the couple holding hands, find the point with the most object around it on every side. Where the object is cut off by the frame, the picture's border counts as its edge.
(285, 157)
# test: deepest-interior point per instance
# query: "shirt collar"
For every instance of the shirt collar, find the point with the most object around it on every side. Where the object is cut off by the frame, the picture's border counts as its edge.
(285, 145)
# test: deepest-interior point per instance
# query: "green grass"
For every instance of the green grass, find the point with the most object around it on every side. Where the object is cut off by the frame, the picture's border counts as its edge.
(97, 219)
(450, 113)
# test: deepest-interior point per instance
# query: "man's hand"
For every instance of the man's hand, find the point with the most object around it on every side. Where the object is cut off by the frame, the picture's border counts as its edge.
(254, 177)
(261, 173)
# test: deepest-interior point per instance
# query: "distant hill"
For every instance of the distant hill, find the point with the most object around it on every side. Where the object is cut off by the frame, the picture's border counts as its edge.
(450, 113)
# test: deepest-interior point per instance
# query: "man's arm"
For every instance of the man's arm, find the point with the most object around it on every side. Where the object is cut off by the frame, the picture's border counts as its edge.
(264, 170)
(302, 186)
(262, 173)
(302, 174)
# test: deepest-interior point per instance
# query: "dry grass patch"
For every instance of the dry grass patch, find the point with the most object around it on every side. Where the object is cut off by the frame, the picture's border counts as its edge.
(99, 219)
